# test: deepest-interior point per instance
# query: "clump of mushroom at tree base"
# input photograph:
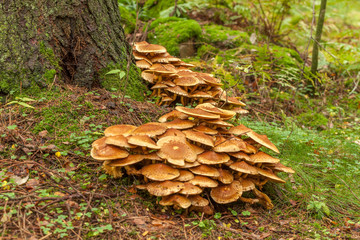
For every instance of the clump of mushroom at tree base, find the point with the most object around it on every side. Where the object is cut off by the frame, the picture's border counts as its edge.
(173, 82)
(190, 154)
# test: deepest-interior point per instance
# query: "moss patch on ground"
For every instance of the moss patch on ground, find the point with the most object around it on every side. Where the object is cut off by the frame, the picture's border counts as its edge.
(223, 36)
(128, 19)
(172, 31)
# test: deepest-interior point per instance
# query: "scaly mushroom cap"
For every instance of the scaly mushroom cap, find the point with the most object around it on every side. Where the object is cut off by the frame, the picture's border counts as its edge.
(159, 85)
(191, 164)
(233, 101)
(190, 189)
(197, 113)
(163, 69)
(243, 167)
(99, 143)
(247, 185)
(139, 56)
(143, 64)
(271, 176)
(209, 79)
(241, 156)
(239, 130)
(229, 145)
(184, 176)
(130, 160)
(142, 141)
(211, 157)
(149, 48)
(199, 137)
(200, 94)
(263, 140)
(240, 110)
(180, 124)
(183, 64)
(261, 157)
(175, 150)
(227, 193)
(205, 129)
(173, 132)
(205, 170)
(209, 108)
(187, 81)
(198, 150)
(205, 182)
(282, 168)
(149, 77)
(108, 153)
(177, 200)
(160, 172)
(120, 141)
(122, 129)
(198, 201)
(225, 176)
(250, 149)
(177, 90)
(164, 188)
(219, 123)
(150, 129)
(160, 58)
(172, 115)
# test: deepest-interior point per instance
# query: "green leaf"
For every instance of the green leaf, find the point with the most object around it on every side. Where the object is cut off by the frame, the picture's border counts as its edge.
(12, 127)
(25, 105)
(113, 71)
(246, 213)
(217, 215)
(26, 99)
(122, 74)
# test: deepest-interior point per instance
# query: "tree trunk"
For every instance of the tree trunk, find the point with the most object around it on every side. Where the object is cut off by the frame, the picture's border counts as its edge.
(319, 27)
(75, 40)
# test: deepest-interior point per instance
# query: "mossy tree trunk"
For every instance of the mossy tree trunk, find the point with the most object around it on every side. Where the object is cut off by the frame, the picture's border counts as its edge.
(43, 40)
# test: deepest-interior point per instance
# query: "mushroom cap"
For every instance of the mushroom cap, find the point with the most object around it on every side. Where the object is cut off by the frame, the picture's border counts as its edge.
(229, 145)
(143, 64)
(282, 168)
(197, 113)
(140, 56)
(159, 85)
(183, 64)
(263, 140)
(205, 170)
(250, 149)
(163, 69)
(150, 129)
(198, 150)
(190, 189)
(219, 123)
(247, 185)
(121, 129)
(175, 150)
(243, 167)
(129, 160)
(200, 94)
(225, 176)
(239, 130)
(240, 110)
(199, 137)
(164, 188)
(149, 77)
(173, 132)
(261, 157)
(198, 201)
(184, 176)
(108, 153)
(177, 200)
(233, 101)
(180, 124)
(172, 115)
(209, 79)
(149, 48)
(160, 172)
(241, 156)
(202, 181)
(205, 129)
(191, 164)
(160, 58)
(142, 141)
(227, 193)
(99, 143)
(211, 157)
(186, 81)
(177, 90)
(271, 176)
(119, 140)
(208, 107)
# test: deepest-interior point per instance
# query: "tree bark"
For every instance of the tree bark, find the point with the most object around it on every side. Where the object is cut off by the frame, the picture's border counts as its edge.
(319, 27)
(71, 39)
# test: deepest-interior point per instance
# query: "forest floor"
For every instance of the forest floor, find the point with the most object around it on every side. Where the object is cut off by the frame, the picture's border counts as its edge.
(50, 187)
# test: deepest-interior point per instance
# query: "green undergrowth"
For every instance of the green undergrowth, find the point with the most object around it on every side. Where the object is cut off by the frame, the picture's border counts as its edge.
(326, 165)
(223, 36)
(171, 32)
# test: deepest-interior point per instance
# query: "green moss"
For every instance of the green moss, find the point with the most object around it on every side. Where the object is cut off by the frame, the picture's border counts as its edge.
(154, 7)
(128, 19)
(135, 87)
(312, 119)
(206, 51)
(172, 31)
(223, 36)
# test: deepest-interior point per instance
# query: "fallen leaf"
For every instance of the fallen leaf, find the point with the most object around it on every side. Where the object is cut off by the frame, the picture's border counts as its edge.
(293, 202)
(145, 233)
(284, 222)
(5, 218)
(43, 133)
(32, 183)
(19, 180)
(72, 204)
(139, 221)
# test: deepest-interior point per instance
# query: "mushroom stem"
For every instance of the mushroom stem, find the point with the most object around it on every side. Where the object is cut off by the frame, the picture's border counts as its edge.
(249, 200)
(266, 200)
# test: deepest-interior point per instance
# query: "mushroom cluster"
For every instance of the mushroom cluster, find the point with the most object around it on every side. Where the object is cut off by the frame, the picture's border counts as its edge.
(173, 82)
(191, 153)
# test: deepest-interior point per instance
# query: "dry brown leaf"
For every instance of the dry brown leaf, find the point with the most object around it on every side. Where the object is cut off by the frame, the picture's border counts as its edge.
(43, 133)
(32, 183)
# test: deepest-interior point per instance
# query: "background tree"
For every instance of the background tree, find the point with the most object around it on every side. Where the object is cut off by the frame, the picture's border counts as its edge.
(75, 41)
